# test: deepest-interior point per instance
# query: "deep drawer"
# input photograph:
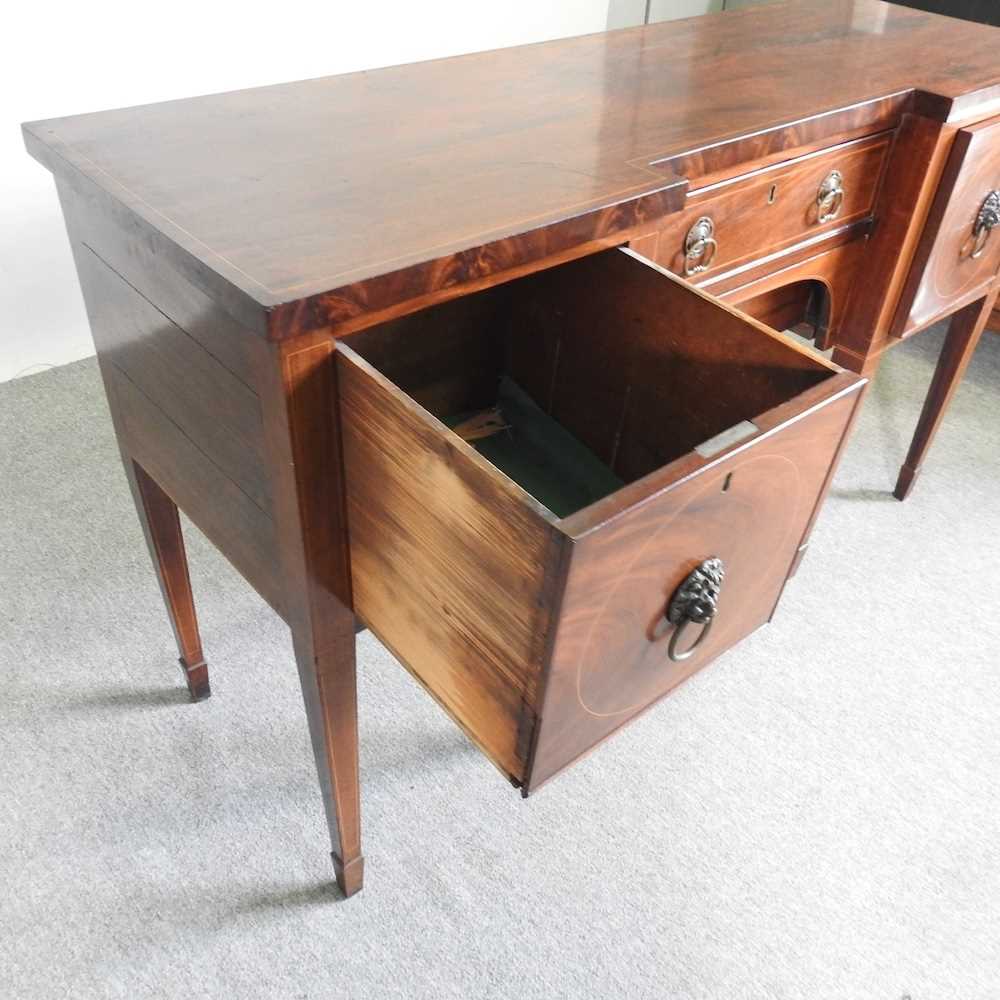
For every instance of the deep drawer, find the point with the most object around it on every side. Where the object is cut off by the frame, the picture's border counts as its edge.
(727, 224)
(531, 602)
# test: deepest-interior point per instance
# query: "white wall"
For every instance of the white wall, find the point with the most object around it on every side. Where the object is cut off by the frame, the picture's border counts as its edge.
(625, 13)
(66, 58)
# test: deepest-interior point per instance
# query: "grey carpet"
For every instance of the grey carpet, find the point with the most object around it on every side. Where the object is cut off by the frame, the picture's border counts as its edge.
(814, 816)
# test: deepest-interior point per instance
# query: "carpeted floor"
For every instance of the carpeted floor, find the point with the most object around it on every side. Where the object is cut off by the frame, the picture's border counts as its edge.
(814, 816)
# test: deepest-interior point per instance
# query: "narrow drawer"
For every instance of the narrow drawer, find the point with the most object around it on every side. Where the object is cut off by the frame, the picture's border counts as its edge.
(727, 224)
(958, 254)
(533, 473)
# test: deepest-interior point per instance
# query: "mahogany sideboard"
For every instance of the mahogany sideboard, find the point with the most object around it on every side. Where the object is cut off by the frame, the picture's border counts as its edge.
(304, 296)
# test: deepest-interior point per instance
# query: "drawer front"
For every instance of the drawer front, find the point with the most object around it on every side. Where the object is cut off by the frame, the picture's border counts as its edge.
(958, 254)
(773, 209)
(612, 657)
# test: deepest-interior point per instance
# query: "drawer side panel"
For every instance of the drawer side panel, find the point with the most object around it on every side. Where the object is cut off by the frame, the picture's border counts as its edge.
(450, 567)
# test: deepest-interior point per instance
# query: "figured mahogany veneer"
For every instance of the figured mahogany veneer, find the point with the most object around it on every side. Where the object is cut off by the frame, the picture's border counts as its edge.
(459, 220)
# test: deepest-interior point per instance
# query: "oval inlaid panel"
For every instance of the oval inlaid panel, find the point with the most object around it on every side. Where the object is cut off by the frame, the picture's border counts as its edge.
(624, 665)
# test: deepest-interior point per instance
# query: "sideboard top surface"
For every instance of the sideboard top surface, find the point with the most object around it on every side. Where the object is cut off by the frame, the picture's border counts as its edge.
(300, 189)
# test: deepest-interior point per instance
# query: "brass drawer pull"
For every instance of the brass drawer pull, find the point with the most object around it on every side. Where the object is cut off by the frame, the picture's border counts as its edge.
(830, 197)
(988, 217)
(699, 246)
(695, 600)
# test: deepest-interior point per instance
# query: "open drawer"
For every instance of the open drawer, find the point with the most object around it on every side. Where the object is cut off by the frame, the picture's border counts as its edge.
(524, 575)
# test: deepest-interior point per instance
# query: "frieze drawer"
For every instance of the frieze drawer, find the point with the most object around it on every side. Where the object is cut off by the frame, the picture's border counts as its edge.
(745, 218)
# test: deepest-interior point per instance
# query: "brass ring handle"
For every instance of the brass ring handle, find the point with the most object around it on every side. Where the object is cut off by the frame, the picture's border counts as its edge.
(979, 239)
(830, 197)
(676, 638)
(699, 247)
(986, 220)
(695, 600)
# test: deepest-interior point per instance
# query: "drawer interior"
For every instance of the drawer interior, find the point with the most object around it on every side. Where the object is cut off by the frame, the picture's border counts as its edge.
(575, 381)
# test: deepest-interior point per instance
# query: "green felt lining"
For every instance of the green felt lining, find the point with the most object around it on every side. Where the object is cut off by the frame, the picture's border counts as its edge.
(541, 456)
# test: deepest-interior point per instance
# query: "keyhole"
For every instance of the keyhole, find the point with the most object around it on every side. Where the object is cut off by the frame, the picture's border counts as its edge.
(772, 194)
